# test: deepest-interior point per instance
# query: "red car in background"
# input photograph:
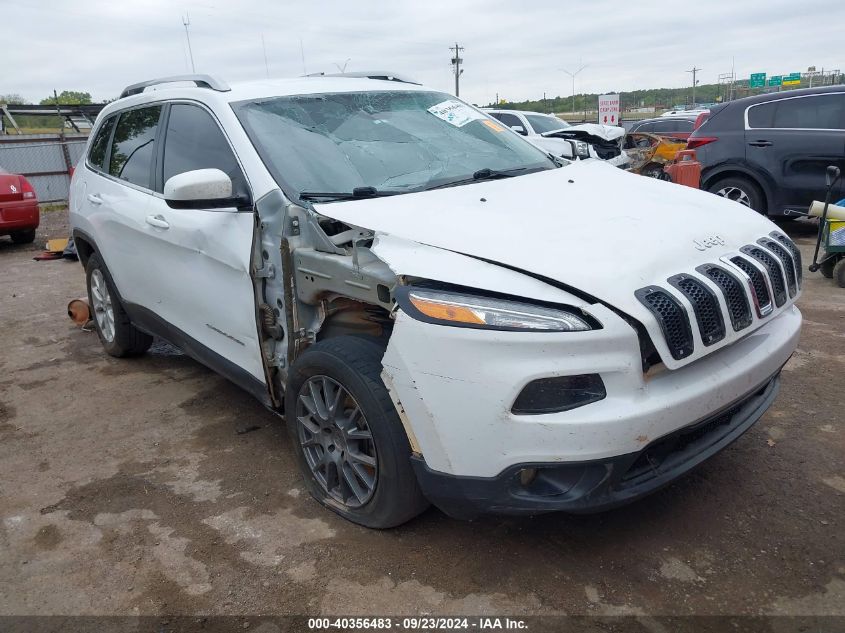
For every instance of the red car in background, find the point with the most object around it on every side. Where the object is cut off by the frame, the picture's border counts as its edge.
(18, 208)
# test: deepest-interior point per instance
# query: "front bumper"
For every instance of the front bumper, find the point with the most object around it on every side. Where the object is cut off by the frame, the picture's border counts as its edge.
(455, 388)
(594, 486)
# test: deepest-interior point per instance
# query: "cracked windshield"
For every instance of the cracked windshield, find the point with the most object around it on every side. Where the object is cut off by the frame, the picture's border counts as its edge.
(392, 141)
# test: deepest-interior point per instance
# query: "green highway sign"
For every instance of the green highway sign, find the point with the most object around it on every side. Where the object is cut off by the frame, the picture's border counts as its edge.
(775, 80)
(758, 80)
(793, 79)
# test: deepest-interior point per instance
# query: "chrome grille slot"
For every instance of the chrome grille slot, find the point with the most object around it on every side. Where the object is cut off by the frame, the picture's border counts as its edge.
(786, 261)
(672, 317)
(705, 306)
(792, 248)
(758, 284)
(735, 298)
(773, 268)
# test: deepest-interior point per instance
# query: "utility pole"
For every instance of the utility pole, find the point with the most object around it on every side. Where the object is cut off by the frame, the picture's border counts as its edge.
(573, 75)
(456, 63)
(694, 71)
(186, 22)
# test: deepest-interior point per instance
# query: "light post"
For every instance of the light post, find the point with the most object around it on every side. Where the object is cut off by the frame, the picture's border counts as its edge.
(573, 75)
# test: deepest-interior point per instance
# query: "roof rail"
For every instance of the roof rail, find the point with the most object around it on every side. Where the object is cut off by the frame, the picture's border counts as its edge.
(201, 81)
(383, 75)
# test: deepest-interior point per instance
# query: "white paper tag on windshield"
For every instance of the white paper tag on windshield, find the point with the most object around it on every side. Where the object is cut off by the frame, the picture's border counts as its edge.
(455, 112)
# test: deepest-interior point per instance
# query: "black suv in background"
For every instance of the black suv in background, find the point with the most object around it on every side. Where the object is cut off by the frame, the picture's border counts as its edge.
(770, 152)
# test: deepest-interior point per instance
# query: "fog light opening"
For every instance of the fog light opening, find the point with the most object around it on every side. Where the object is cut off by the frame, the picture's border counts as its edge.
(527, 476)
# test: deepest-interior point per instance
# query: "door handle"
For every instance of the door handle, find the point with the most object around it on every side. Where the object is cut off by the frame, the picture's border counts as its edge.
(93, 198)
(760, 143)
(157, 221)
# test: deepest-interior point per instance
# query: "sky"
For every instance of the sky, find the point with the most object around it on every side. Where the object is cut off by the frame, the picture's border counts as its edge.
(517, 50)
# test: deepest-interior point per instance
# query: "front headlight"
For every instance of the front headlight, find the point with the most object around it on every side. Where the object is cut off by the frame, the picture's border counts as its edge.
(463, 310)
(582, 149)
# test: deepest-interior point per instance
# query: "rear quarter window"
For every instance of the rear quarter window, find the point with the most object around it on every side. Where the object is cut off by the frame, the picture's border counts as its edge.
(97, 152)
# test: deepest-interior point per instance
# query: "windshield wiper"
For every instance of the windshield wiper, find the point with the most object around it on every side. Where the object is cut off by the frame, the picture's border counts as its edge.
(356, 194)
(482, 174)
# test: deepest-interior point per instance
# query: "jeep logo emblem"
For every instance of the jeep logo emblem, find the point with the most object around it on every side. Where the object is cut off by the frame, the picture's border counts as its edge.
(708, 242)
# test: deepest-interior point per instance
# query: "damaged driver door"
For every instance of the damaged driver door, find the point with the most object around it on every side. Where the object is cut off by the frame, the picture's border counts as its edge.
(201, 257)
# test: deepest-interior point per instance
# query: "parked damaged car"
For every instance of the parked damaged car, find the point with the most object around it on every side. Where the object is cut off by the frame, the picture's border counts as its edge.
(559, 138)
(650, 153)
(440, 311)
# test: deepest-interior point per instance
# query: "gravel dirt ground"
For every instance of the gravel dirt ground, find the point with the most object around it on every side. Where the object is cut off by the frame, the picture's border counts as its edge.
(126, 488)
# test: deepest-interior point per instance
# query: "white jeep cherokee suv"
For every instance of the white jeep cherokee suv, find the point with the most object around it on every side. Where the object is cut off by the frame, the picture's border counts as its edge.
(441, 312)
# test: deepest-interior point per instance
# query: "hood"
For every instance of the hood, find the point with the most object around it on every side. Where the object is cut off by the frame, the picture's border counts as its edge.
(590, 226)
(585, 130)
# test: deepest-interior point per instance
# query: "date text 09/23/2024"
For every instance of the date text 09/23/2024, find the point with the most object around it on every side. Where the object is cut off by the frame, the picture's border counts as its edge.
(416, 624)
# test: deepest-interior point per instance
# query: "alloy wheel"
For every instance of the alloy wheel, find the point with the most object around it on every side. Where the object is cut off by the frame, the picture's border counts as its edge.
(103, 309)
(336, 441)
(736, 194)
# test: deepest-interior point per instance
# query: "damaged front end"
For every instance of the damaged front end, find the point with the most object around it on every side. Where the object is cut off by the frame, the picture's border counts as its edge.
(606, 141)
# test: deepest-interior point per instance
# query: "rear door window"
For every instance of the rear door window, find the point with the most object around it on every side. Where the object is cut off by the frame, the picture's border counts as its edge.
(133, 148)
(97, 153)
(194, 141)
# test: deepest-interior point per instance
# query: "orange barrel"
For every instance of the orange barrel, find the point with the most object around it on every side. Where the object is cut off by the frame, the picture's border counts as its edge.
(685, 169)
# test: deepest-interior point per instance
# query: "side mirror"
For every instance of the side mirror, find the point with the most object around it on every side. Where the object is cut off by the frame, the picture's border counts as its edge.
(831, 175)
(519, 130)
(201, 189)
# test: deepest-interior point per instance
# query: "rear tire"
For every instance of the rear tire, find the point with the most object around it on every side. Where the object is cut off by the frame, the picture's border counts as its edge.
(839, 272)
(117, 334)
(23, 237)
(349, 441)
(741, 190)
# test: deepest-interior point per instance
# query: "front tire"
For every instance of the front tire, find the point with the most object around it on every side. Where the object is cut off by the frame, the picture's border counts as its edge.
(349, 441)
(741, 190)
(117, 334)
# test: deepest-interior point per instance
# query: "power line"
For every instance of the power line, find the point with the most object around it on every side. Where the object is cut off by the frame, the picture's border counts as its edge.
(457, 60)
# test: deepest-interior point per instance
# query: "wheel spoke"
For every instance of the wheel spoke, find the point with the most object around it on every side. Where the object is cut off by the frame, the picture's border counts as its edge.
(309, 424)
(317, 397)
(363, 474)
(362, 458)
(332, 476)
(351, 481)
(335, 399)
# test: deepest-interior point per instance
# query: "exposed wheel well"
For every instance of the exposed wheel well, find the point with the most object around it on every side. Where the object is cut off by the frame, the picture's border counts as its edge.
(722, 175)
(84, 249)
(350, 317)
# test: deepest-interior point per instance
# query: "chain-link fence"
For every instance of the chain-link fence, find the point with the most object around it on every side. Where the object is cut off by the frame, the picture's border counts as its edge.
(44, 159)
